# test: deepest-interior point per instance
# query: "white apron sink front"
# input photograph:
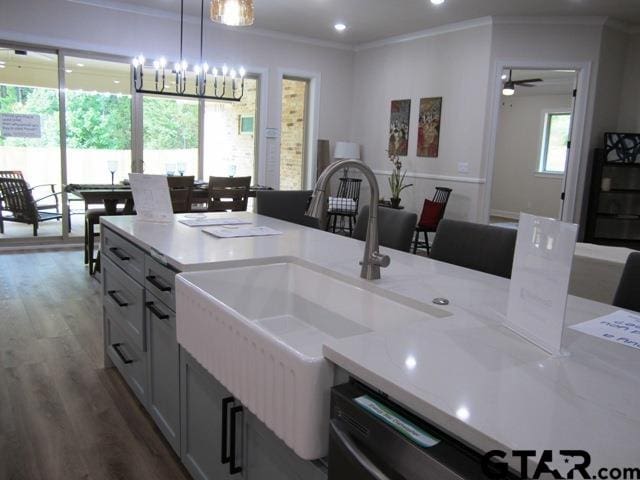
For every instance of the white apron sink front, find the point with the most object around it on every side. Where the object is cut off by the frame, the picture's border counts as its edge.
(259, 330)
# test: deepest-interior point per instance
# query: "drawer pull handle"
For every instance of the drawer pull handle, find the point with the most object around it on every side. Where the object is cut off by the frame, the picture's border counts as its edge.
(153, 309)
(116, 348)
(224, 456)
(152, 279)
(233, 468)
(118, 253)
(114, 294)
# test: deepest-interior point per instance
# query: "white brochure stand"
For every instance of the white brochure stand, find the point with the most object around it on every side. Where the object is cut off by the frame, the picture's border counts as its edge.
(540, 280)
(151, 197)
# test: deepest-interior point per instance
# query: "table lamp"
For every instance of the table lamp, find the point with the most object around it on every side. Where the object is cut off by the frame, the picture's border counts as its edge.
(346, 151)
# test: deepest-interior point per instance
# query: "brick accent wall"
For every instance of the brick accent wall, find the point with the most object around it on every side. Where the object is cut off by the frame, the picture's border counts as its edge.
(292, 144)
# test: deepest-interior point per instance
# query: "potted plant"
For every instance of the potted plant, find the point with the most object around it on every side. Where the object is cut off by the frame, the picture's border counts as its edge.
(396, 180)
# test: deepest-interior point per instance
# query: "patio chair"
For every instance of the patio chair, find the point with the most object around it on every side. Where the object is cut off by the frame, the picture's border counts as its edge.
(52, 186)
(18, 205)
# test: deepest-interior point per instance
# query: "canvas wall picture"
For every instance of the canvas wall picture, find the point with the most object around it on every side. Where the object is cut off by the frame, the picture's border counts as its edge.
(399, 127)
(429, 127)
(622, 147)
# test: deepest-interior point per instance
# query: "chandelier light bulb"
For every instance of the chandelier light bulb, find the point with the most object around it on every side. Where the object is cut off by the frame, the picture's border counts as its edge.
(163, 62)
(197, 69)
(233, 73)
(135, 62)
(243, 72)
(156, 64)
(177, 67)
(184, 65)
(205, 67)
(141, 59)
(214, 71)
(224, 70)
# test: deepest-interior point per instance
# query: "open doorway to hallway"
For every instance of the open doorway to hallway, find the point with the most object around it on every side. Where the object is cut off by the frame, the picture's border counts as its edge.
(532, 144)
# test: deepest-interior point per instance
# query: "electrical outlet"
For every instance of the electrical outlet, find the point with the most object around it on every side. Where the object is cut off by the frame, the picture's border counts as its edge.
(463, 167)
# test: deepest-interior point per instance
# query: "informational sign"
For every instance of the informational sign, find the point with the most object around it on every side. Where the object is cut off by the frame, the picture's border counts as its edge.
(620, 327)
(151, 197)
(20, 125)
(540, 280)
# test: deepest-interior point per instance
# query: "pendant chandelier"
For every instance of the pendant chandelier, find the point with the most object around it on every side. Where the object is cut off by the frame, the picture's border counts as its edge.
(237, 13)
(202, 81)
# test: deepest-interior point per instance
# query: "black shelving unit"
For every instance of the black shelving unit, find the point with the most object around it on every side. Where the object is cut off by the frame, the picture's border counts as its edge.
(613, 217)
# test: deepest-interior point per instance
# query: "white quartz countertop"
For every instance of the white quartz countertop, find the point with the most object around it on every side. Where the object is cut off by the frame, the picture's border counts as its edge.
(465, 373)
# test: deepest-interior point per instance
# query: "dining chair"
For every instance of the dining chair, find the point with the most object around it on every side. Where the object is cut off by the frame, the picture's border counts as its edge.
(432, 213)
(479, 247)
(228, 194)
(287, 205)
(17, 204)
(628, 292)
(345, 204)
(181, 192)
(395, 227)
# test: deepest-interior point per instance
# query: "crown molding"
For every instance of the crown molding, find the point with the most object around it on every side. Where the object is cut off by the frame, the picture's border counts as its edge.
(560, 20)
(126, 7)
(429, 32)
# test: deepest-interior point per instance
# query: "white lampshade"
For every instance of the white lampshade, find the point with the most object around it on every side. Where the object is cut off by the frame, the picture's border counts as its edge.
(347, 150)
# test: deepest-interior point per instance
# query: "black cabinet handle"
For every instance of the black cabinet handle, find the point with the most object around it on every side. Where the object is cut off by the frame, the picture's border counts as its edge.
(224, 456)
(152, 307)
(121, 256)
(113, 294)
(116, 348)
(233, 468)
(160, 286)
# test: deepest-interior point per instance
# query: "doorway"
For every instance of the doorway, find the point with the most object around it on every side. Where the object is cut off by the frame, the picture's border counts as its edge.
(532, 145)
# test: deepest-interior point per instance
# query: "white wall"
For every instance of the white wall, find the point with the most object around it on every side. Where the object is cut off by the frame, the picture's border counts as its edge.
(61, 23)
(611, 72)
(517, 187)
(629, 119)
(452, 65)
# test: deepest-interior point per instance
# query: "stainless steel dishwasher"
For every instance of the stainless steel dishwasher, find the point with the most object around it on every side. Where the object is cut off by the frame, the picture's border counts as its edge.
(371, 438)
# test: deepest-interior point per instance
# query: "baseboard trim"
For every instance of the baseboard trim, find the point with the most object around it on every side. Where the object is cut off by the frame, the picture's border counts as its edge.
(505, 214)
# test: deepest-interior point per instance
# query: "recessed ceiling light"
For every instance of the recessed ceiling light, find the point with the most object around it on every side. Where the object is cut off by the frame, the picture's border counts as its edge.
(437, 2)
(504, 76)
(2, 65)
(116, 81)
(341, 27)
(2, 62)
(80, 65)
(68, 70)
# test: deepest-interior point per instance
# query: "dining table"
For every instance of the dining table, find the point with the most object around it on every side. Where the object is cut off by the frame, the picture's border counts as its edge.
(113, 195)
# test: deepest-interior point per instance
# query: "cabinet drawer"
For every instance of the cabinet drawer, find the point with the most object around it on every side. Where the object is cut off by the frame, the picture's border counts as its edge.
(128, 359)
(124, 254)
(161, 281)
(123, 298)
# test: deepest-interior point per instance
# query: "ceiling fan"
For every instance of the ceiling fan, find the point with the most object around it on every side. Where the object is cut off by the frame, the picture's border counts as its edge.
(509, 87)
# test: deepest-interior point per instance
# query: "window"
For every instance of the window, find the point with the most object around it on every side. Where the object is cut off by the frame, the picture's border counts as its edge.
(555, 137)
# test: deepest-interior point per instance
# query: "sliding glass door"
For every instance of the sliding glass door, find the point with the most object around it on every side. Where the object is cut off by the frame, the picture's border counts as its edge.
(170, 139)
(29, 145)
(98, 120)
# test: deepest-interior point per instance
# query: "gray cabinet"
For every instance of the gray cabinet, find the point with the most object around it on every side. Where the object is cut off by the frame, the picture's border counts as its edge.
(164, 369)
(215, 436)
(266, 457)
(203, 404)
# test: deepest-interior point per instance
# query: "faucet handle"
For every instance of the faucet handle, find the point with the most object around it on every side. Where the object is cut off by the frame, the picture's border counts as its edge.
(380, 260)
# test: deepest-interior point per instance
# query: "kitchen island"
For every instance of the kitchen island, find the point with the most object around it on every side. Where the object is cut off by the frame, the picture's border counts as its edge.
(463, 372)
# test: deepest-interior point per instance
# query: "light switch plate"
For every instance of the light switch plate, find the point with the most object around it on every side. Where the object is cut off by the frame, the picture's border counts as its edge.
(463, 167)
